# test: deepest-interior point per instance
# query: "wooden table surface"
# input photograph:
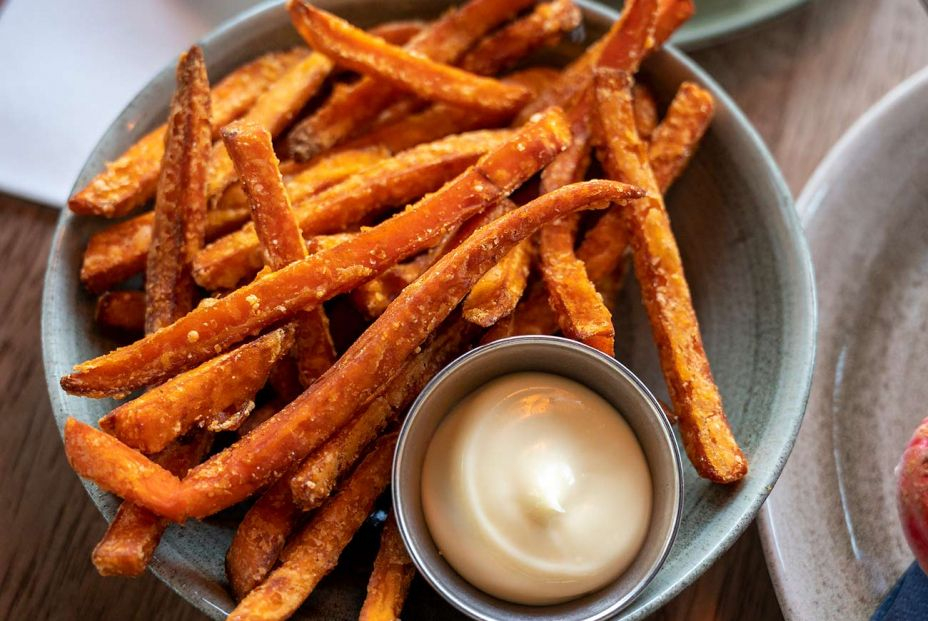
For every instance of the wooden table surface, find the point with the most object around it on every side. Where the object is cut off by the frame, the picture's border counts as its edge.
(802, 80)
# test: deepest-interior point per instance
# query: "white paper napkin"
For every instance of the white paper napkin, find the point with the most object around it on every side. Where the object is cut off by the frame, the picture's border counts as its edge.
(67, 68)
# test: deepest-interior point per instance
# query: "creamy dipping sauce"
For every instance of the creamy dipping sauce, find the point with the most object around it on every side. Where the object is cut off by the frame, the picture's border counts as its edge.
(536, 490)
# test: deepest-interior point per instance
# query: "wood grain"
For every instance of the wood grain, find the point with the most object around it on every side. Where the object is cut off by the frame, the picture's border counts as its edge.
(802, 80)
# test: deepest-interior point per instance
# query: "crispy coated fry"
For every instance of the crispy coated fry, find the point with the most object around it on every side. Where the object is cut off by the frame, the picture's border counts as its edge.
(100, 456)
(134, 533)
(316, 477)
(229, 419)
(393, 182)
(373, 296)
(389, 583)
(314, 551)
(670, 16)
(251, 150)
(260, 537)
(496, 294)
(707, 436)
(677, 136)
(543, 26)
(354, 48)
(119, 252)
(180, 205)
(350, 107)
(236, 473)
(581, 312)
(308, 178)
(121, 312)
(130, 180)
(672, 145)
(623, 47)
(645, 110)
(150, 422)
(440, 120)
(274, 110)
(398, 32)
(279, 295)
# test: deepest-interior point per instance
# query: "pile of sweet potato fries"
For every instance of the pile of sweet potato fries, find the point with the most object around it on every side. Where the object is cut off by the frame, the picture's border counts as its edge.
(428, 185)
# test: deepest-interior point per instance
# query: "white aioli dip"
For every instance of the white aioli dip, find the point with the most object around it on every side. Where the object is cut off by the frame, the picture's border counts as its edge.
(536, 490)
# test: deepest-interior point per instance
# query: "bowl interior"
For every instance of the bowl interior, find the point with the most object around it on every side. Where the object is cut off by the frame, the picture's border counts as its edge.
(746, 262)
(615, 384)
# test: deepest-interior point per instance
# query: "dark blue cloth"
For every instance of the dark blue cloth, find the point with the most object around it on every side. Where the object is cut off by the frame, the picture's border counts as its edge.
(908, 600)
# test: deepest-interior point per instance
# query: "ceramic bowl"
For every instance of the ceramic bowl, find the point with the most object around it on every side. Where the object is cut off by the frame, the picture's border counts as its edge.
(746, 262)
(597, 371)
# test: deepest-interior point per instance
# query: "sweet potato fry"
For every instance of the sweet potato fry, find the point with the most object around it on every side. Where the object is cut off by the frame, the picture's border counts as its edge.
(99, 456)
(281, 294)
(260, 537)
(121, 312)
(250, 148)
(533, 315)
(316, 477)
(308, 178)
(391, 183)
(272, 448)
(543, 26)
(151, 421)
(130, 180)
(373, 296)
(134, 533)
(581, 312)
(672, 145)
(496, 294)
(707, 436)
(314, 551)
(180, 205)
(354, 48)
(350, 107)
(274, 110)
(623, 47)
(229, 419)
(119, 252)
(671, 14)
(389, 583)
(645, 110)
(398, 32)
(675, 139)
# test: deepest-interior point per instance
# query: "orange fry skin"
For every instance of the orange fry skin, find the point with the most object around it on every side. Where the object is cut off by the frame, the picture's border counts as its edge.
(498, 292)
(314, 551)
(180, 205)
(131, 539)
(676, 138)
(130, 180)
(389, 583)
(282, 243)
(645, 110)
(671, 15)
(624, 46)
(122, 470)
(118, 252)
(503, 49)
(279, 295)
(350, 107)
(260, 537)
(317, 476)
(398, 32)
(672, 145)
(392, 182)
(153, 420)
(274, 110)
(707, 436)
(355, 49)
(121, 312)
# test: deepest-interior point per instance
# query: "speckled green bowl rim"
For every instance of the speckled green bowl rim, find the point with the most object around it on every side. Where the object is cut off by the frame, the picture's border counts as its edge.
(763, 475)
(707, 28)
